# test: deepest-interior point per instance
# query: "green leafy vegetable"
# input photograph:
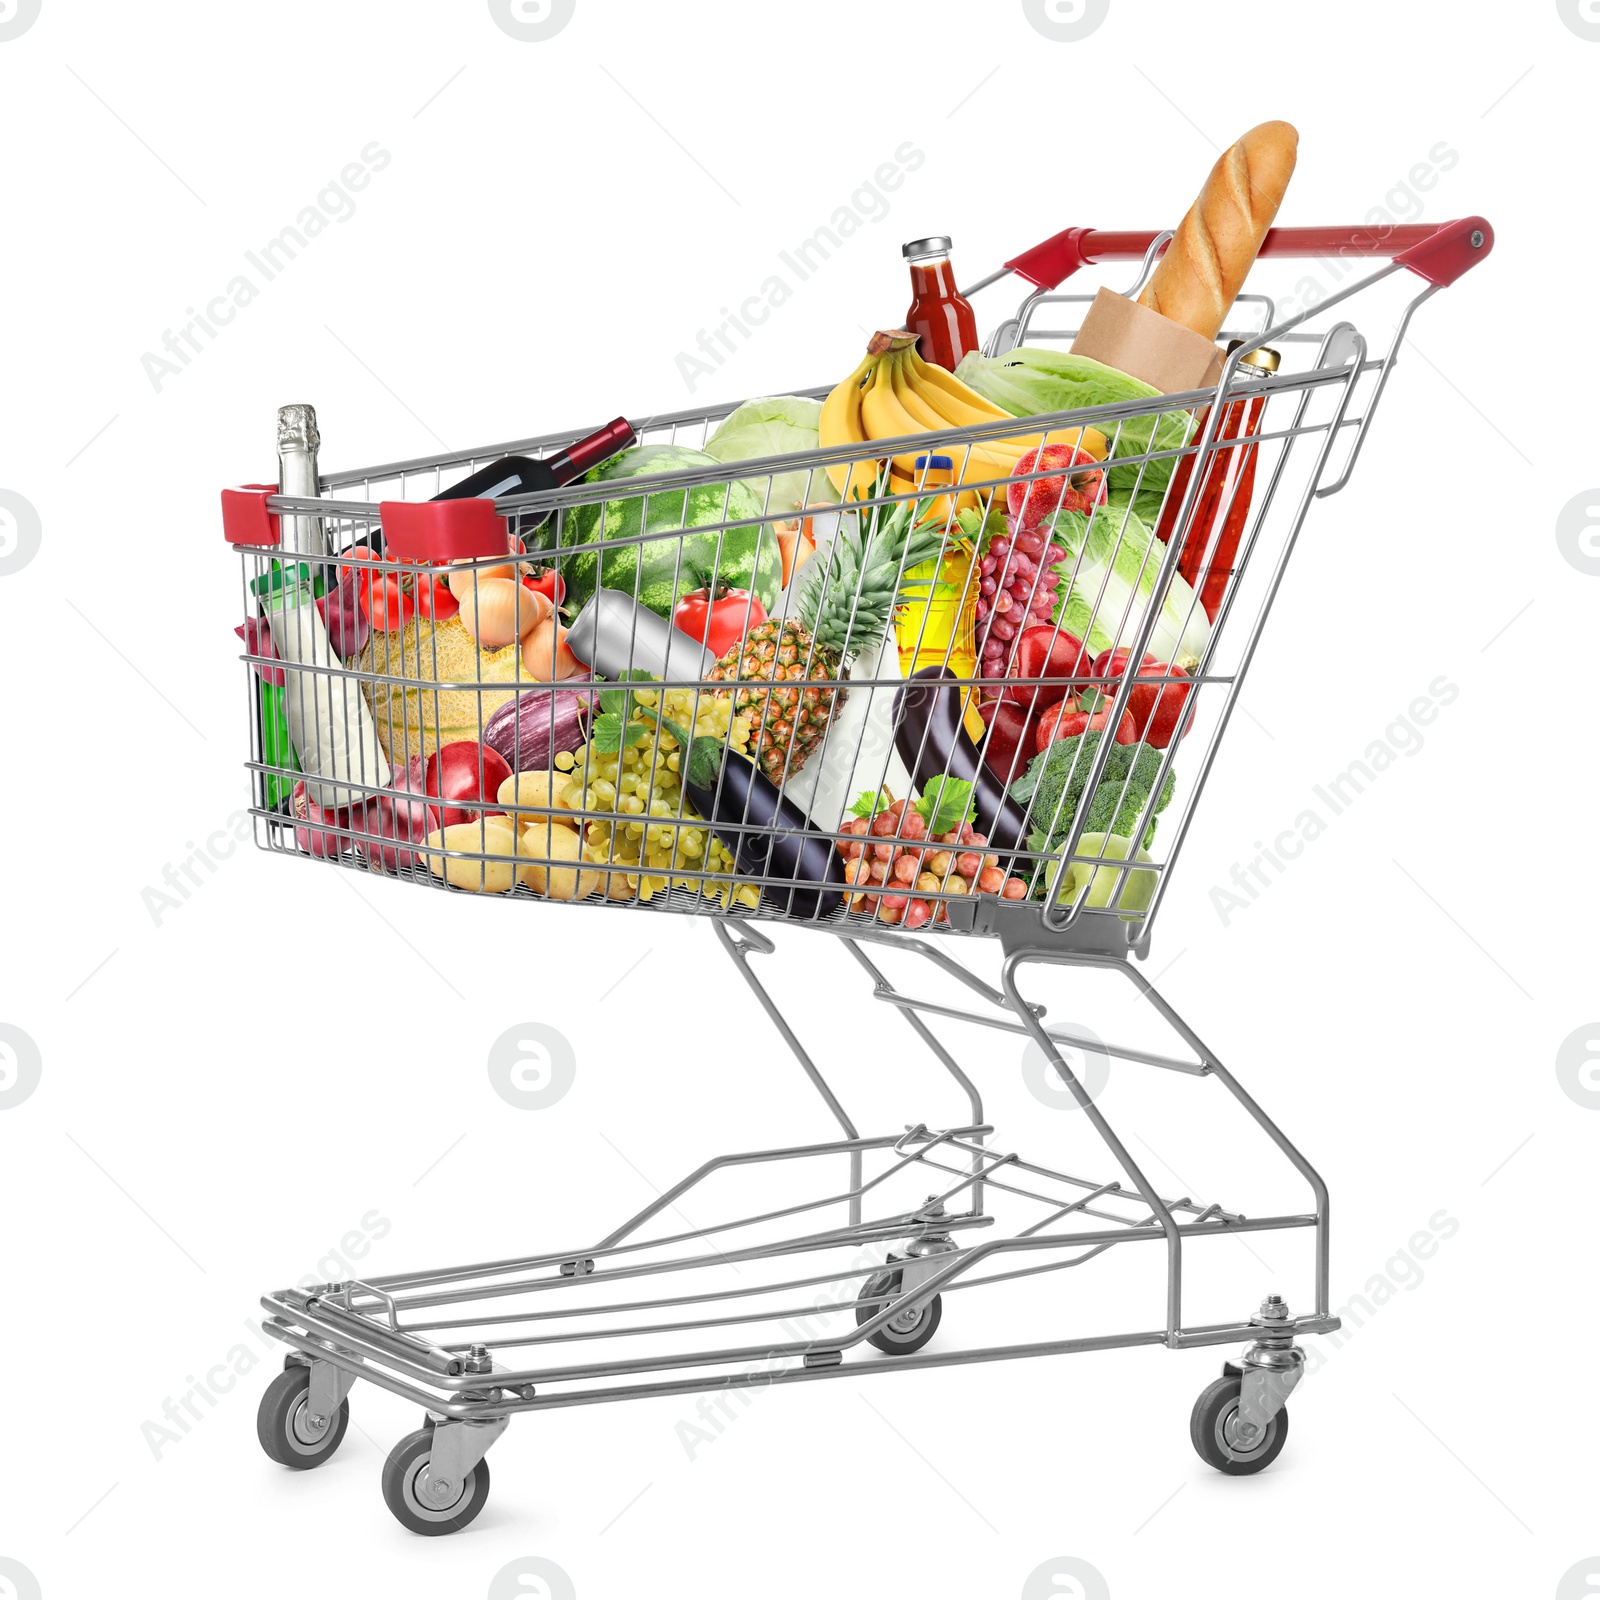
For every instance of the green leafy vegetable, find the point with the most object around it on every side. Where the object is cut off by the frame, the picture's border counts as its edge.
(946, 804)
(1113, 560)
(1034, 379)
(775, 426)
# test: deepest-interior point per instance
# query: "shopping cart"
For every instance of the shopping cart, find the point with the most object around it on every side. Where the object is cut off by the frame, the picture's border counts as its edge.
(887, 1225)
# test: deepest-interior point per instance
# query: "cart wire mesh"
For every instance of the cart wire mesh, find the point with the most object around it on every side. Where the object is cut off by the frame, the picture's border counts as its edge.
(1070, 843)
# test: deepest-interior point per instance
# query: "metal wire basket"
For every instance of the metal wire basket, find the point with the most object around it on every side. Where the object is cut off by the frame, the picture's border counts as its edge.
(1083, 863)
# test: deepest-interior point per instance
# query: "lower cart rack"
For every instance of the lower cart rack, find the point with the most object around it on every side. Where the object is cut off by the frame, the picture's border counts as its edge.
(790, 1292)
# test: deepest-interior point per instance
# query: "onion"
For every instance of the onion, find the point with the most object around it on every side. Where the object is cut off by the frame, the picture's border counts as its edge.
(545, 656)
(501, 611)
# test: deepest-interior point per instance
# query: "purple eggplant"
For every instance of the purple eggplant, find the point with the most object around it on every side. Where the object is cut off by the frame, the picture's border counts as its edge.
(770, 837)
(933, 743)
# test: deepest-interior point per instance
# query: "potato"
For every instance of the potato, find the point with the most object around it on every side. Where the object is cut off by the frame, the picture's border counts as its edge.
(493, 837)
(550, 844)
(532, 789)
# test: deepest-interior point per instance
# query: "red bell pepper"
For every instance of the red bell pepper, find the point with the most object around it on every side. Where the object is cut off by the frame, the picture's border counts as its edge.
(1089, 712)
(1156, 708)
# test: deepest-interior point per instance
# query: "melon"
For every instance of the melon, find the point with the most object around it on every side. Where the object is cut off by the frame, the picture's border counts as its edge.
(423, 711)
(659, 571)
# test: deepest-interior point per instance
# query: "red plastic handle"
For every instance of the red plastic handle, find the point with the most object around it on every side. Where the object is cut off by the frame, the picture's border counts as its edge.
(1437, 252)
(439, 531)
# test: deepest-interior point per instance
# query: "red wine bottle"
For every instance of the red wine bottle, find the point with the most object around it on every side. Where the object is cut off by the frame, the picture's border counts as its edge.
(525, 474)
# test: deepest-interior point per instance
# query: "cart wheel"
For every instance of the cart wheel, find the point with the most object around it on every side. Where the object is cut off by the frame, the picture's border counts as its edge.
(408, 1492)
(1212, 1430)
(907, 1332)
(285, 1428)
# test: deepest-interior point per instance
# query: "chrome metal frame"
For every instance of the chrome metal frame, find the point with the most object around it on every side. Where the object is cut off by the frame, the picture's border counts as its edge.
(440, 1337)
(444, 1338)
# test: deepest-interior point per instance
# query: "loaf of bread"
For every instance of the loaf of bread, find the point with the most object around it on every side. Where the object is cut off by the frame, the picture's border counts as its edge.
(1212, 251)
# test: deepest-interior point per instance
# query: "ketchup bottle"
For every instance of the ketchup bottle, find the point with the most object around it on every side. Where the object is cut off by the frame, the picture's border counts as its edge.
(943, 322)
(1230, 481)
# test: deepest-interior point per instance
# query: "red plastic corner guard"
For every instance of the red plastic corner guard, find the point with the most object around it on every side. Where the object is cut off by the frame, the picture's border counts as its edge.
(439, 531)
(245, 518)
(1050, 263)
(1455, 249)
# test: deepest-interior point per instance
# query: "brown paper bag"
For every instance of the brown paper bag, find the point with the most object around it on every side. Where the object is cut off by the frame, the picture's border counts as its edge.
(1144, 344)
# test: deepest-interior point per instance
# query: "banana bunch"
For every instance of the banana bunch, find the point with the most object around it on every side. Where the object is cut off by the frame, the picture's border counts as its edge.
(894, 393)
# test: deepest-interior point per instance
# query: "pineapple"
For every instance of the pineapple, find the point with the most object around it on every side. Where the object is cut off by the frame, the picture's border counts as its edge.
(780, 670)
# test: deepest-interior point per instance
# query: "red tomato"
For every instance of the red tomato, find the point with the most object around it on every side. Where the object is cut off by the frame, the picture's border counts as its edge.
(549, 584)
(383, 596)
(718, 618)
(432, 598)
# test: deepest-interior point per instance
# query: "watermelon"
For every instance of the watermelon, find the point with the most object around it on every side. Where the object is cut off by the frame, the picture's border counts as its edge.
(653, 571)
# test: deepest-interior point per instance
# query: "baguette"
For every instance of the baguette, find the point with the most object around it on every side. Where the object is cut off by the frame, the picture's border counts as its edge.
(1216, 243)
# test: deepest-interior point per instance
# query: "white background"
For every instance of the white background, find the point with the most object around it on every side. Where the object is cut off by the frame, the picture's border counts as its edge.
(227, 1093)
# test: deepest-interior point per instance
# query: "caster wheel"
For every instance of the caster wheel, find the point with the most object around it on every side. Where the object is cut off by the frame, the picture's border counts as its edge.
(410, 1495)
(910, 1330)
(285, 1427)
(1213, 1430)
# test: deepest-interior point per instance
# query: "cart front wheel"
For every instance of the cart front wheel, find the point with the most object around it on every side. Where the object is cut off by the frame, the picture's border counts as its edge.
(905, 1333)
(1214, 1431)
(288, 1431)
(421, 1504)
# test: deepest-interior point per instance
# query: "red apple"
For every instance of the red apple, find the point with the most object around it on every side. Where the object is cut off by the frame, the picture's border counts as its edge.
(462, 771)
(1033, 504)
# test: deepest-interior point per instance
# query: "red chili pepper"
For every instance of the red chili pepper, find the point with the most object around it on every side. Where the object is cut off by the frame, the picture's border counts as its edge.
(1156, 708)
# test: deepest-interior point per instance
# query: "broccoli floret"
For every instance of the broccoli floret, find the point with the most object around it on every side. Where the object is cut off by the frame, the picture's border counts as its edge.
(1054, 782)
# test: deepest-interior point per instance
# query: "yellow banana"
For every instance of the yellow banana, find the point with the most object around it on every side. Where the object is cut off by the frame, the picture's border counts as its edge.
(885, 417)
(841, 424)
(964, 407)
(988, 458)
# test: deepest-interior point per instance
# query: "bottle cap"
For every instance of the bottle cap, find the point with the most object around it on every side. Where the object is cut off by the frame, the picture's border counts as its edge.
(617, 435)
(1267, 360)
(297, 428)
(921, 249)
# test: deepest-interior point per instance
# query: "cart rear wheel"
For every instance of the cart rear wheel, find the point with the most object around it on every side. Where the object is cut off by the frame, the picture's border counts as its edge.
(418, 1504)
(288, 1432)
(907, 1332)
(1213, 1429)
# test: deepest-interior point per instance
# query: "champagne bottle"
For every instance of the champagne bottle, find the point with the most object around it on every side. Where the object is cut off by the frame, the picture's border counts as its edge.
(330, 726)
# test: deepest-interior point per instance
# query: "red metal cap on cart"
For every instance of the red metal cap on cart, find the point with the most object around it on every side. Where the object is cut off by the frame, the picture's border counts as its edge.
(245, 518)
(438, 531)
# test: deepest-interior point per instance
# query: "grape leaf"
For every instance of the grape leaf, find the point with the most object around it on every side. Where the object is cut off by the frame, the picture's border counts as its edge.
(619, 700)
(611, 734)
(869, 802)
(945, 804)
